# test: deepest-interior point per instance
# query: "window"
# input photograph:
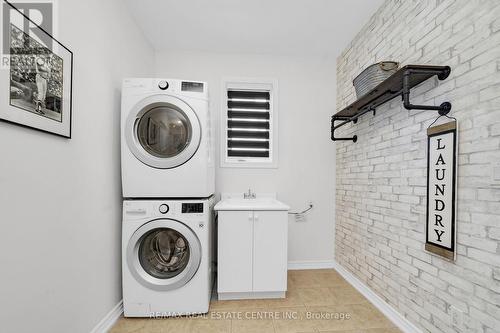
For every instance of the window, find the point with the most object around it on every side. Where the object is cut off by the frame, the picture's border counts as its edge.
(249, 124)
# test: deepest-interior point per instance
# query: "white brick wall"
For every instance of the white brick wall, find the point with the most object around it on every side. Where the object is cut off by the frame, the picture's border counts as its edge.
(381, 183)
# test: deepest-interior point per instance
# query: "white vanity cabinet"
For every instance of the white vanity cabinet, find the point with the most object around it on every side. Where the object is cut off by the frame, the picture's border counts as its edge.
(252, 253)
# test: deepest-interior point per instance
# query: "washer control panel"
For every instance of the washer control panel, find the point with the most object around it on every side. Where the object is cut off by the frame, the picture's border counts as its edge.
(192, 207)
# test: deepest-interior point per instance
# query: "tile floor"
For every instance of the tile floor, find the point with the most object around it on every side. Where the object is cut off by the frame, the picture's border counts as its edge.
(317, 301)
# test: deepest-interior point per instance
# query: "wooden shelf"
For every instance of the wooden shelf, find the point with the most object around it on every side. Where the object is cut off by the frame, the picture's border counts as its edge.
(398, 84)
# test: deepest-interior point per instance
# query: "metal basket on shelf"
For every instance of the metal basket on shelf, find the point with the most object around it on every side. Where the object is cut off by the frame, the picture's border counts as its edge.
(373, 75)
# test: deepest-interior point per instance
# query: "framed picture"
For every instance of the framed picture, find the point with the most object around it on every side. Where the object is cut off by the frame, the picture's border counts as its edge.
(36, 88)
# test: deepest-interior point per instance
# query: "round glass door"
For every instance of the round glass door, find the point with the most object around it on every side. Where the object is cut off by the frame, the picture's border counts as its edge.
(163, 254)
(163, 131)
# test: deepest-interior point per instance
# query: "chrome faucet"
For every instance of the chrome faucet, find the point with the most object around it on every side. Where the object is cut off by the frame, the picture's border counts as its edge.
(249, 195)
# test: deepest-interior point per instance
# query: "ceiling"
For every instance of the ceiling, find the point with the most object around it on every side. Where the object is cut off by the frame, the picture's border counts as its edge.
(298, 27)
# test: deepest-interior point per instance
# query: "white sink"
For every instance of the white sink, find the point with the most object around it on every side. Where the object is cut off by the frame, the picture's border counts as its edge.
(263, 202)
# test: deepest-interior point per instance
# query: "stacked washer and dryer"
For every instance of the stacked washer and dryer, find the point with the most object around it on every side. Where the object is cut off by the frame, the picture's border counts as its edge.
(168, 185)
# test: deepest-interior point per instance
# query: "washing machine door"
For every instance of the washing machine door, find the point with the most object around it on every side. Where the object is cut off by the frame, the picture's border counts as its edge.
(163, 254)
(163, 131)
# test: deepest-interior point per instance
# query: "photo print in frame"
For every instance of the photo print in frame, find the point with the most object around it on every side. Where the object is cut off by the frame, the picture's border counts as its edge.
(36, 85)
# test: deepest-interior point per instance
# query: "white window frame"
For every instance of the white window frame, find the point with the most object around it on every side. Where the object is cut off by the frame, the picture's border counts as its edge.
(250, 162)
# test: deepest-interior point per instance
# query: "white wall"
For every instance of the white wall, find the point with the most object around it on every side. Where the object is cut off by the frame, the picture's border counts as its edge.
(60, 200)
(306, 154)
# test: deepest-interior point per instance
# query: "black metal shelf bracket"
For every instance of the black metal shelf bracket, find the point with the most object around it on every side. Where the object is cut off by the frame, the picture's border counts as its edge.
(398, 84)
(442, 109)
(345, 121)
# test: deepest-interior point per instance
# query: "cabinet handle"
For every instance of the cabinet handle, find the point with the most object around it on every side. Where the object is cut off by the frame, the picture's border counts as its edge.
(250, 217)
(256, 217)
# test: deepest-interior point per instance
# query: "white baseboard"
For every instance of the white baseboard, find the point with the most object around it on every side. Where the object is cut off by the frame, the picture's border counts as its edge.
(320, 264)
(110, 319)
(398, 319)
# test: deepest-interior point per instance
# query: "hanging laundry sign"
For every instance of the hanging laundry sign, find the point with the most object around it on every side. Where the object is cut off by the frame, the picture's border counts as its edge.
(441, 189)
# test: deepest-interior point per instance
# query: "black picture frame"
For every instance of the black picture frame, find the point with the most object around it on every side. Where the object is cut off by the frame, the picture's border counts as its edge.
(65, 131)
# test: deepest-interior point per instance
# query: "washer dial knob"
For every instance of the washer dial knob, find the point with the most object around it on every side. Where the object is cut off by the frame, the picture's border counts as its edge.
(164, 208)
(163, 85)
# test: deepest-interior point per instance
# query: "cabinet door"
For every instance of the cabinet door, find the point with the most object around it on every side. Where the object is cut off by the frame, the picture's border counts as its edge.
(270, 251)
(235, 241)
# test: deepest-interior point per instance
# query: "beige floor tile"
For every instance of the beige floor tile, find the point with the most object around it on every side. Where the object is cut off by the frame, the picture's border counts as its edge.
(252, 326)
(375, 330)
(346, 287)
(238, 304)
(170, 325)
(289, 313)
(362, 317)
(310, 294)
(321, 278)
(209, 325)
(348, 296)
(292, 299)
(131, 325)
(371, 317)
(317, 296)
(293, 320)
(294, 326)
(336, 317)
(330, 279)
(295, 272)
(238, 314)
(301, 281)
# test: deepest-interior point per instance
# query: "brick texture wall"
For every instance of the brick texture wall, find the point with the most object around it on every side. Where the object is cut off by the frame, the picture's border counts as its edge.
(381, 179)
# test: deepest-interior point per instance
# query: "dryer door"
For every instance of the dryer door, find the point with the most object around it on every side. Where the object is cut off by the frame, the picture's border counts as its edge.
(162, 131)
(163, 254)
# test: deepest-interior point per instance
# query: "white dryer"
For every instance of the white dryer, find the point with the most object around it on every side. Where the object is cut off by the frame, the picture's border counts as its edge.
(166, 144)
(167, 257)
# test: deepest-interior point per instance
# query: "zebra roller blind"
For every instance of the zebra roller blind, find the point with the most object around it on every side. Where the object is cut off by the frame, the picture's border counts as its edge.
(249, 124)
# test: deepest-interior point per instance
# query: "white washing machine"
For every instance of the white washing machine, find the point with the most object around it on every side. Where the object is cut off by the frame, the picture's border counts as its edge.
(166, 139)
(167, 257)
